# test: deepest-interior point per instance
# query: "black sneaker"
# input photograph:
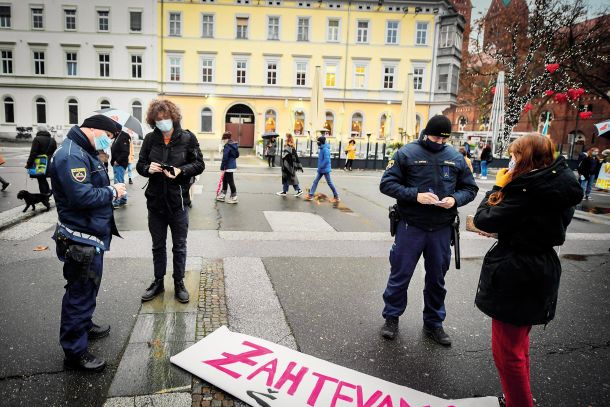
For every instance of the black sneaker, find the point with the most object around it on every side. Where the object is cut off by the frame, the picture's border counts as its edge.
(86, 362)
(97, 332)
(180, 292)
(155, 289)
(130, 181)
(438, 335)
(4, 186)
(390, 328)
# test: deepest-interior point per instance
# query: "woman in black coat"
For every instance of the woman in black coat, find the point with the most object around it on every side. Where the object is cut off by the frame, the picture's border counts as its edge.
(43, 144)
(290, 165)
(530, 208)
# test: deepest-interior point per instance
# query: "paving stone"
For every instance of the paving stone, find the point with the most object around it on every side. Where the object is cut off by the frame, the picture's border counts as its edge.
(164, 400)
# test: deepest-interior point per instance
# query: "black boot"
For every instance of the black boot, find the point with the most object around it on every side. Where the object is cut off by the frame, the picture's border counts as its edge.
(86, 362)
(155, 289)
(438, 335)
(180, 292)
(130, 181)
(390, 328)
(97, 331)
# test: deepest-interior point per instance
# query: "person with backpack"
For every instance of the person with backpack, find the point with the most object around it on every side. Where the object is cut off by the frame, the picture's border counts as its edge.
(323, 171)
(43, 144)
(486, 158)
(170, 158)
(119, 160)
(228, 166)
(290, 165)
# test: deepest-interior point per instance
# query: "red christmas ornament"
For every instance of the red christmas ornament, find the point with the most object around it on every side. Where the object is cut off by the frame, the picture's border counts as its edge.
(552, 68)
(575, 94)
(549, 92)
(493, 90)
(561, 98)
(527, 107)
(585, 115)
(580, 92)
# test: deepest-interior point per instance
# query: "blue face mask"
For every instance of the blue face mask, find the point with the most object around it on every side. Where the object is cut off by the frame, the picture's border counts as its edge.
(511, 165)
(102, 142)
(164, 125)
(432, 146)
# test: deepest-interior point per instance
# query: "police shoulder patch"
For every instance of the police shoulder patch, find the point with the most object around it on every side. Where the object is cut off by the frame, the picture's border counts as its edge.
(79, 174)
(390, 164)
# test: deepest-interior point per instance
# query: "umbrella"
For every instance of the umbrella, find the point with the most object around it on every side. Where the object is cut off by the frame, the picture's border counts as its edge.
(270, 134)
(130, 124)
(407, 109)
(318, 114)
(603, 128)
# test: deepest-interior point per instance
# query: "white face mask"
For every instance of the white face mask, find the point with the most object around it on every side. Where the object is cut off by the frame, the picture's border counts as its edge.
(164, 125)
(512, 164)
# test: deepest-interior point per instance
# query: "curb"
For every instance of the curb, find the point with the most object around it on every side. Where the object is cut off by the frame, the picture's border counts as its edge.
(14, 216)
(593, 218)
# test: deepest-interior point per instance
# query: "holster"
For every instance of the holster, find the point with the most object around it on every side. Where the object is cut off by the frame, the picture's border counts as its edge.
(78, 254)
(394, 219)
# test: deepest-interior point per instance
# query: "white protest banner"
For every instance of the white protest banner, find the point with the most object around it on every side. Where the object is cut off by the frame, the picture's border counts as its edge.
(603, 179)
(264, 374)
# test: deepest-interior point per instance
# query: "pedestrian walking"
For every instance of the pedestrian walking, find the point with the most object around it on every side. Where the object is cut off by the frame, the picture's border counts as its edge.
(465, 154)
(85, 227)
(5, 183)
(476, 161)
(429, 180)
(530, 208)
(486, 158)
(351, 155)
(119, 153)
(323, 171)
(130, 163)
(290, 165)
(170, 158)
(230, 153)
(43, 144)
(270, 150)
(587, 170)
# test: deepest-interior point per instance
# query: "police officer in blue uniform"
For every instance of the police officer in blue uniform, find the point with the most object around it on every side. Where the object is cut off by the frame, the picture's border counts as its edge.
(83, 196)
(429, 180)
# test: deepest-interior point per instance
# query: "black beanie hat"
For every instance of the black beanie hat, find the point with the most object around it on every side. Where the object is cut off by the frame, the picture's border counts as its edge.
(101, 122)
(439, 126)
(321, 140)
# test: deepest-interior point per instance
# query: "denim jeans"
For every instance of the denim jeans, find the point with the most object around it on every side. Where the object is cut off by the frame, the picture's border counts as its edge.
(178, 223)
(328, 181)
(285, 186)
(129, 169)
(587, 184)
(483, 168)
(119, 178)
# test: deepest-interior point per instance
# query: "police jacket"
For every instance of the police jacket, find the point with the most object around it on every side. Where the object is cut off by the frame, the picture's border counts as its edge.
(82, 192)
(230, 154)
(163, 193)
(120, 150)
(416, 169)
(520, 275)
(43, 143)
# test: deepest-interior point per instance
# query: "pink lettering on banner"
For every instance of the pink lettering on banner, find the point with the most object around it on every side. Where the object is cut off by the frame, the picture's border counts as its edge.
(386, 402)
(313, 397)
(339, 396)
(287, 376)
(245, 358)
(270, 368)
(403, 403)
(369, 403)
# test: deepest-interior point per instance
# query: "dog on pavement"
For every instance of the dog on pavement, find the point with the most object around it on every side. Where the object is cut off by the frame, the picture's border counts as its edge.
(33, 199)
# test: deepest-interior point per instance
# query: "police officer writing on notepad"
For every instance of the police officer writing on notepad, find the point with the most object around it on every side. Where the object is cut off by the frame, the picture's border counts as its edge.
(429, 180)
(83, 195)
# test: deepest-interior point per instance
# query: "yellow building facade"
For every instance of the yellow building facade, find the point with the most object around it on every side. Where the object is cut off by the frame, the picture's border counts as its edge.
(248, 66)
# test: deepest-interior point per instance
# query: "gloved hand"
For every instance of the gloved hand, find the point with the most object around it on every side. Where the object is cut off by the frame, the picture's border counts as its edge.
(503, 177)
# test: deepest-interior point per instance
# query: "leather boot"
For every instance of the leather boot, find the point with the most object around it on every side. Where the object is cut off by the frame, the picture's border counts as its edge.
(180, 292)
(155, 289)
(97, 331)
(86, 362)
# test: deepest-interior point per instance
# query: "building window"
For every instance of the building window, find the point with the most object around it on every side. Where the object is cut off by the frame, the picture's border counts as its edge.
(443, 78)
(418, 78)
(329, 123)
(37, 18)
(331, 76)
(447, 34)
(301, 73)
(136, 109)
(72, 111)
(175, 68)
(175, 24)
(240, 71)
(103, 20)
(5, 16)
(388, 77)
(207, 70)
(9, 110)
(41, 111)
(136, 66)
(207, 25)
(455, 73)
(421, 37)
(360, 76)
(273, 28)
(383, 129)
(333, 30)
(391, 36)
(70, 19)
(104, 104)
(242, 28)
(270, 121)
(135, 21)
(362, 34)
(303, 29)
(71, 63)
(7, 61)
(299, 122)
(272, 73)
(39, 62)
(356, 125)
(104, 60)
(206, 120)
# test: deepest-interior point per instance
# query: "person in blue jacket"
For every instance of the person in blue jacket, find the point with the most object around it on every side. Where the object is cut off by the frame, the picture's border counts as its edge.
(323, 171)
(429, 180)
(230, 153)
(84, 196)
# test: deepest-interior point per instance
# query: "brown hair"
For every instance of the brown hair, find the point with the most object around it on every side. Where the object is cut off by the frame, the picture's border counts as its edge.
(532, 152)
(289, 140)
(590, 151)
(165, 106)
(226, 135)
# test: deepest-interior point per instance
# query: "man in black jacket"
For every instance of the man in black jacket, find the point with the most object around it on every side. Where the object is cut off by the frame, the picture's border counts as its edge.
(43, 144)
(429, 180)
(120, 160)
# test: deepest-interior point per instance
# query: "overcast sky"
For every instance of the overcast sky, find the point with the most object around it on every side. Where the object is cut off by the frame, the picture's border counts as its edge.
(483, 5)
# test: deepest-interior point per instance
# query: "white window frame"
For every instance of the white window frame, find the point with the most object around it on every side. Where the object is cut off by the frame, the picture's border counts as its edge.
(422, 76)
(351, 120)
(10, 61)
(236, 68)
(208, 23)
(454, 79)
(36, 109)
(328, 30)
(276, 62)
(394, 66)
(308, 32)
(98, 19)
(170, 65)
(205, 58)
(4, 103)
(279, 25)
(419, 30)
(296, 72)
(176, 23)
(71, 51)
(211, 130)
(134, 10)
(99, 64)
(10, 17)
(68, 109)
(141, 106)
(446, 38)
(36, 7)
(387, 32)
(362, 34)
(237, 30)
(65, 11)
(365, 65)
(327, 64)
(138, 65)
(438, 78)
(44, 59)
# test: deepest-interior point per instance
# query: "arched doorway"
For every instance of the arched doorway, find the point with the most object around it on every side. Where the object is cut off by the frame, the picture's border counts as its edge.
(240, 122)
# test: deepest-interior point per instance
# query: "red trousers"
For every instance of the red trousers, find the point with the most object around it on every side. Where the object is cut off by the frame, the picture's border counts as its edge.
(510, 346)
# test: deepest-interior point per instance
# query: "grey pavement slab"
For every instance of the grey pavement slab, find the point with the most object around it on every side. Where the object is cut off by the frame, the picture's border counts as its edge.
(286, 221)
